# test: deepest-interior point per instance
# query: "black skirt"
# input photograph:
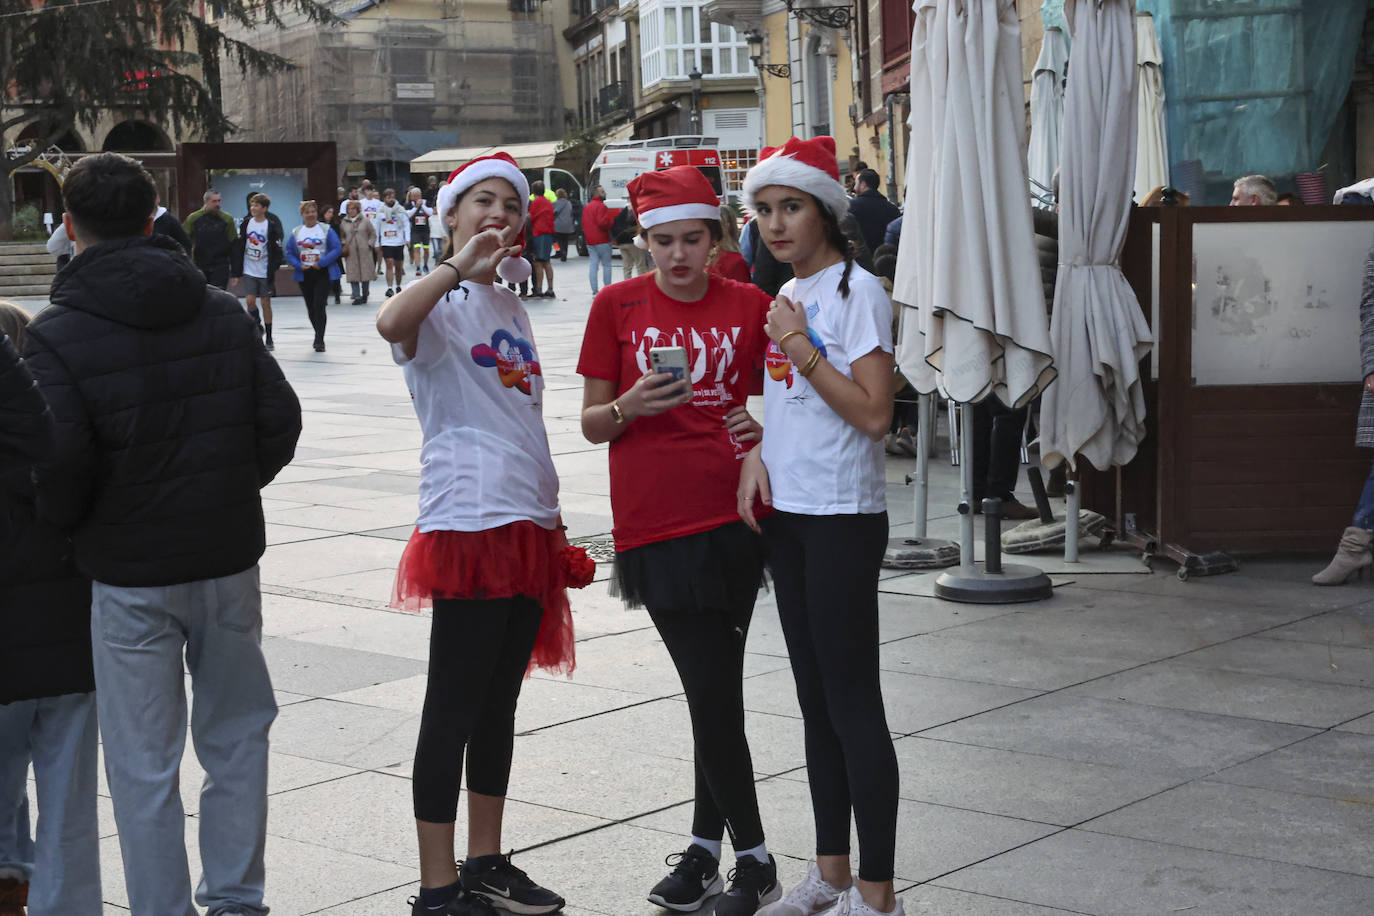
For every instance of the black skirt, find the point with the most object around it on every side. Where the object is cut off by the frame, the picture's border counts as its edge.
(711, 571)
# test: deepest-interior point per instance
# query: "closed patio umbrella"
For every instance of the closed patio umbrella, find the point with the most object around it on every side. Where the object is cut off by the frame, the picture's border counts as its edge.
(1152, 150)
(1096, 410)
(966, 264)
(1047, 107)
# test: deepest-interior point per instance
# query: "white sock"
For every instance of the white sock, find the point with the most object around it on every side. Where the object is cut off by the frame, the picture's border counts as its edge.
(711, 846)
(759, 852)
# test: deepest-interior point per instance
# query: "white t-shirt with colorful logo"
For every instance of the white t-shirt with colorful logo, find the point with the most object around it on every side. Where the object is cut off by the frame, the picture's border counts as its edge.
(478, 391)
(818, 464)
(370, 209)
(311, 243)
(255, 249)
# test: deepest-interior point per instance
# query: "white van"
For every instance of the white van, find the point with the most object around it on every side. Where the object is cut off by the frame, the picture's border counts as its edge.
(619, 163)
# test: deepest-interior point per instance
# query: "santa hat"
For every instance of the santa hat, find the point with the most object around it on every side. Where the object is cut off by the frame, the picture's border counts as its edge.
(498, 165)
(807, 165)
(680, 192)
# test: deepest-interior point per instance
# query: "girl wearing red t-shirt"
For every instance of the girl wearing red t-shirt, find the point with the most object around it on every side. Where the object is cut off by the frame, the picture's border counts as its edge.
(727, 261)
(827, 403)
(681, 550)
(488, 549)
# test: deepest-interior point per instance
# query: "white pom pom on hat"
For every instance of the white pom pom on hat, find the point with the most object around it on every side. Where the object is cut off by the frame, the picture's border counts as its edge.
(807, 165)
(498, 165)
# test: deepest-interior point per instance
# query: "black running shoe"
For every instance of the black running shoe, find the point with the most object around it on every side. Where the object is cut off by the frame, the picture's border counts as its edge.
(695, 876)
(462, 904)
(508, 888)
(752, 885)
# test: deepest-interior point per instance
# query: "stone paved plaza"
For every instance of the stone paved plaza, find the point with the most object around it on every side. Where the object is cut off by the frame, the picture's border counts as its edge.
(1135, 745)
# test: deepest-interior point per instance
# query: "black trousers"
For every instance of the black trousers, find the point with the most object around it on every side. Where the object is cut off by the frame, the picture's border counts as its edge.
(564, 239)
(478, 652)
(708, 651)
(996, 449)
(315, 289)
(825, 575)
(217, 275)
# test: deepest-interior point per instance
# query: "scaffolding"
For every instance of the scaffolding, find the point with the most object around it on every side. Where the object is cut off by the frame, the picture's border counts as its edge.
(385, 88)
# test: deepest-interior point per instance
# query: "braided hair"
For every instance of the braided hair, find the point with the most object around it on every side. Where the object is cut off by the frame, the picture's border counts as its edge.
(835, 238)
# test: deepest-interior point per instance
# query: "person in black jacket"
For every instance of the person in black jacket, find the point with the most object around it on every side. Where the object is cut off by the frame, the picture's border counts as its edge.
(170, 417)
(872, 210)
(164, 223)
(47, 708)
(26, 424)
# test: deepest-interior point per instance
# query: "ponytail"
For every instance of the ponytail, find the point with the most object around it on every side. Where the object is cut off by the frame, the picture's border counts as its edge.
(836, 239)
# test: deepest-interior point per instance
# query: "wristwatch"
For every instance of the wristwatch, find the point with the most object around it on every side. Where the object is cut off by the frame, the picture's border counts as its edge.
(616, 413)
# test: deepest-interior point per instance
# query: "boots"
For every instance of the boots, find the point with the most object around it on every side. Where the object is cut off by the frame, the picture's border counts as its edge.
(1351, 557)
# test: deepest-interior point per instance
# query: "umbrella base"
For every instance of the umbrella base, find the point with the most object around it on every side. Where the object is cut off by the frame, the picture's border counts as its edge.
(1034, 535)
(920, 553)
(1013, 585)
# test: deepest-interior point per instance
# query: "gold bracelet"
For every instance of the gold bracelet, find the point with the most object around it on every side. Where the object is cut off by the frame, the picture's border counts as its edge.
(616, 413)
(804, 371)
(784, 337)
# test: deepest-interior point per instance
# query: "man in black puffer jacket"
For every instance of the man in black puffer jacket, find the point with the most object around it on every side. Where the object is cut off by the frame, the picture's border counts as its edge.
(170, 418)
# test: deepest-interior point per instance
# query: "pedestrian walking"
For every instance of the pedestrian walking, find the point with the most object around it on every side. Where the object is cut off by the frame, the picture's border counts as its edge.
(624, 232)
(212, 236)
(488, 549)
(420, 215)
(820, 467)
(313, 249)
(393, 235)
(257, 253)
(47, 703)
(359, 241)
(171, 416)
(563, 228)
(372, 205)
(596, 227)
(689, 561)
(541, 240)
(167, 224)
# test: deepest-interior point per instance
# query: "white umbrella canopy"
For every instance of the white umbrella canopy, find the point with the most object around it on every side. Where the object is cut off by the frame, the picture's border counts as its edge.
(1152, 151)
(967, 261)
(1097, 409)
(1047, 106)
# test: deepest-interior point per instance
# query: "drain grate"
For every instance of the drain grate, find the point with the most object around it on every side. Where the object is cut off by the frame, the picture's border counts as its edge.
(600, 548)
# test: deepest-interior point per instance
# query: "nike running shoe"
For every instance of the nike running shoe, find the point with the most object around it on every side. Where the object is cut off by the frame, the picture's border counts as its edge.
(814, 895)
(461, 904)
(508, 888)
(695, 876)
(753, 884)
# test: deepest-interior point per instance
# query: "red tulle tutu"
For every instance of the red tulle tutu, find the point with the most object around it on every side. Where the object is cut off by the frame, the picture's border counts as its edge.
(516, 559)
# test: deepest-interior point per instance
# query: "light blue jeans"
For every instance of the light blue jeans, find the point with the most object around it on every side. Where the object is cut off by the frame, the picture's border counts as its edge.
(138, 638)
(600, 254)
(63, 866)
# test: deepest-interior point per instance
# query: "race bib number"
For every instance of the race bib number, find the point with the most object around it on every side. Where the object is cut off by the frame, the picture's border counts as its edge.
(421, 219)
(310, 258)
(390, 234)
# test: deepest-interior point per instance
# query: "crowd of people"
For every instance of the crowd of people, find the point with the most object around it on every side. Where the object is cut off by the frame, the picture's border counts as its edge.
(142, 525)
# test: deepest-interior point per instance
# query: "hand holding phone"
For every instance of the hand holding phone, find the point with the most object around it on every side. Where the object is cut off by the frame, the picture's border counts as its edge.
(671, 360)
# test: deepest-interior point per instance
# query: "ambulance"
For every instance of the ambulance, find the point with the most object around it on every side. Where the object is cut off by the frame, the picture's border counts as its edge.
(618, 164)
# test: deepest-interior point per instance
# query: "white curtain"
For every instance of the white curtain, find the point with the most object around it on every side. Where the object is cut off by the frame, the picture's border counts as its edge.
(967, 261)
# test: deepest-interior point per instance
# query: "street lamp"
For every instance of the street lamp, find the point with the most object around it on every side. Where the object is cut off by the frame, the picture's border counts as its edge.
(694, 78)
(755, 41)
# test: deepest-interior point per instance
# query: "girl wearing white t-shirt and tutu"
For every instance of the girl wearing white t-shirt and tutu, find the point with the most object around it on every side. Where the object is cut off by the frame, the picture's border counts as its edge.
(827, 405)
(488, 550)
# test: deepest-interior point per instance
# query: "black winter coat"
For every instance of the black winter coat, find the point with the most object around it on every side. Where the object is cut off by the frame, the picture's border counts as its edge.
(26, 424)
(170, 226)
(170, 417)
(873, 212)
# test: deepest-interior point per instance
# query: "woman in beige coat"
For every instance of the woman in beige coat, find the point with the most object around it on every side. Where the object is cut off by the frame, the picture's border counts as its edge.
(359, 240)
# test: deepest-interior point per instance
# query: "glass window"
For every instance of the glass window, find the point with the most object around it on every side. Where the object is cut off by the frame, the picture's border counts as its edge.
(673, 57)
(670, 21)
(706, 63)
(742, 62)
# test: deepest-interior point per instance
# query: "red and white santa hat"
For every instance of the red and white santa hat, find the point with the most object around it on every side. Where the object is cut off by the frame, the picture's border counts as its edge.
(497, 165)
(680, 192)
(807, 165)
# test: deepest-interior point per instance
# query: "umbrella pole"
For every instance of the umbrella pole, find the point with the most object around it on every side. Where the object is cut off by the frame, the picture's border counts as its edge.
(966, 490)
(921, 485)
(1073, 512)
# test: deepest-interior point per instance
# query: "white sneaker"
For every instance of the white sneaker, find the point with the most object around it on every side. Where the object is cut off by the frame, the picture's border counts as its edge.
(851, 903)
(810, 897)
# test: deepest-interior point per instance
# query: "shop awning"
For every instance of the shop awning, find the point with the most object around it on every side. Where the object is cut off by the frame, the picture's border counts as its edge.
(538, 155)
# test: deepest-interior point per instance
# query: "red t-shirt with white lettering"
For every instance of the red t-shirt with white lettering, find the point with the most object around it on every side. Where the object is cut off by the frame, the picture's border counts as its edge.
(677, 473)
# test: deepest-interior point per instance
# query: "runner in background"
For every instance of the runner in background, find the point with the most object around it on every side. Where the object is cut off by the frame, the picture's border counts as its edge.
(420, 215)
(393, 233)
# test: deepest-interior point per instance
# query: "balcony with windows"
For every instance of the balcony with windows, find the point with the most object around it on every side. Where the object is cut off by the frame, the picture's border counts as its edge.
(614, 102)
(676, 39)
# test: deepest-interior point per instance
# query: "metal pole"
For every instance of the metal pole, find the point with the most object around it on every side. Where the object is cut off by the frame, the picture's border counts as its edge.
(921, 489)
(1074, 504)
(966, 493)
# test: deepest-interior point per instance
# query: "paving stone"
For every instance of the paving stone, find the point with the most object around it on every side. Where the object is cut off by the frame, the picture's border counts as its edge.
(1116, 733)
(292, 564)
(930, 900)
(1240, 820)
(1286, 658)
(319, 671)
(1363, 725)
(1030, 666)
(1108, 876)
(1349, 627)
(1332, 764)
(362, 737)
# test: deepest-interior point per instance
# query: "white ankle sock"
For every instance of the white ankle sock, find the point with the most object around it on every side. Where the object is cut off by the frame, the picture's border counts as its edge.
(711, 846)
(759, 852)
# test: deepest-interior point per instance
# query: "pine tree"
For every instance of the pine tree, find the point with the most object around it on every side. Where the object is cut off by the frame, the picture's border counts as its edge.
(64, 62)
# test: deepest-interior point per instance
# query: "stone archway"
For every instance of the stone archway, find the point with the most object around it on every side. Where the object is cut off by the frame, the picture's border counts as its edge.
(136, 137)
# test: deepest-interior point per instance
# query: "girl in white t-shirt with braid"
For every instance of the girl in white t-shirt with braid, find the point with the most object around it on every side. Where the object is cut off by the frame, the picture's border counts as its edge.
(827, 405)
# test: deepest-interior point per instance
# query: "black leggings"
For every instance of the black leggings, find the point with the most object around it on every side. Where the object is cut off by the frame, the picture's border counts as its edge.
(825, 575)
(315, 289)
(708, 651)
(478, 652)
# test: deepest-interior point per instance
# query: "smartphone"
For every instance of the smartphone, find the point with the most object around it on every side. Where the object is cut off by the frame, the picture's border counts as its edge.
(672, 360)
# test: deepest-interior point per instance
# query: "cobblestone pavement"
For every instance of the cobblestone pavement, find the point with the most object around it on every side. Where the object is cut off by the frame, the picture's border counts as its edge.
(1135, 745)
